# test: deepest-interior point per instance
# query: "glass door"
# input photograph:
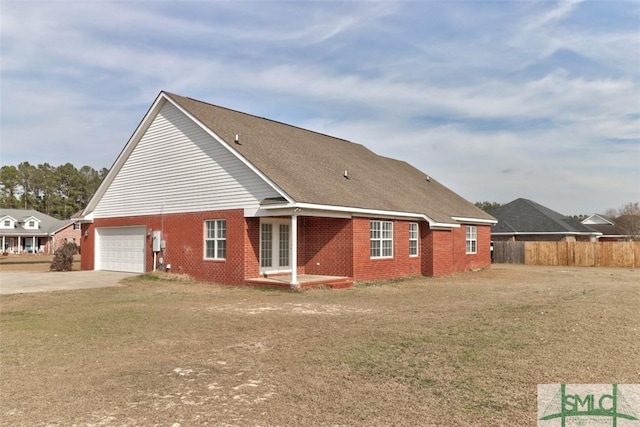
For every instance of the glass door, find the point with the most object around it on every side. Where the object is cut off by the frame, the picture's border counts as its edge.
(275, 246)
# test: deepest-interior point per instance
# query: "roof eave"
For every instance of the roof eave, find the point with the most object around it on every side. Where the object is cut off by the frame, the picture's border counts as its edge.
(352, 211)
(565, 233)
(63, 227)
(475, 220)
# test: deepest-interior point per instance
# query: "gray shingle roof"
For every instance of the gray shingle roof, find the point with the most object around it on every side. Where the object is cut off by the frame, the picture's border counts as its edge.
(607, 229)
(614, 229)
(526, 216)
(309, 167)
(47, 224)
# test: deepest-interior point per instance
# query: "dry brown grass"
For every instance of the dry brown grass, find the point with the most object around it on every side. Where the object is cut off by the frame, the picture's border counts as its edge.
(463, 350)
(30, 262)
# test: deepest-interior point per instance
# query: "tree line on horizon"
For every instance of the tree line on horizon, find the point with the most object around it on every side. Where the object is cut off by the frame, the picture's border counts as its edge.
(58, 191)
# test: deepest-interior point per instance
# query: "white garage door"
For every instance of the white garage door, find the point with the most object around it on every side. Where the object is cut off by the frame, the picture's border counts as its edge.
(120, 249)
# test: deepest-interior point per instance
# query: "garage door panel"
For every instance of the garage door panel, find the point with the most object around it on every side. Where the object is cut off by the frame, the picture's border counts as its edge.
(121, 249)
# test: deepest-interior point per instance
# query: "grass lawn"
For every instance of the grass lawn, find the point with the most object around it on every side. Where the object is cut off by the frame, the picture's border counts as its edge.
(463, 350)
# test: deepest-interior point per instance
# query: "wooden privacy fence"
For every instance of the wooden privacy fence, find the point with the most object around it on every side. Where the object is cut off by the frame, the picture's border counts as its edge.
(508, 252)
(577, 254)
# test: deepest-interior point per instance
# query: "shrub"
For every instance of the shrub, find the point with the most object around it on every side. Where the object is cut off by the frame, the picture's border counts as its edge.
(63, 257)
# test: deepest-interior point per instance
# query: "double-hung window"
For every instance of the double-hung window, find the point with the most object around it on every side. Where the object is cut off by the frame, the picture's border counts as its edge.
(472, 239)
(215, 239)
(381, 237)
(413, 239)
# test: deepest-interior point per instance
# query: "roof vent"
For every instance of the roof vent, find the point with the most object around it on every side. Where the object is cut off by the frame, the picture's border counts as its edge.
(428, 178)
(346, 174)
(237, 140)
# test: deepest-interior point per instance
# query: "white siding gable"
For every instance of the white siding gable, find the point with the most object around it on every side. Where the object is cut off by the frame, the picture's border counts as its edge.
(596, 219)
(30, 223)
(178, 167)
(7, 222)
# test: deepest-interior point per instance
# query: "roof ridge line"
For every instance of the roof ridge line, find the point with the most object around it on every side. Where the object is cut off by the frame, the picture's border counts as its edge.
(267, 119)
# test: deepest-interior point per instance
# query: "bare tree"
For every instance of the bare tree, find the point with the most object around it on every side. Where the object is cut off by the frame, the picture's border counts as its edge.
(627, 218)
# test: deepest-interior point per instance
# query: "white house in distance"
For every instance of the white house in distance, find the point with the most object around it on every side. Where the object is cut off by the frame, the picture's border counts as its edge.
(611, 232)
(30, 231)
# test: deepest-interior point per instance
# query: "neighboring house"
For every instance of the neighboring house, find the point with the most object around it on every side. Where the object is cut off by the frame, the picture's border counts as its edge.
(525, 220)
(611, 232)
(30, 231)
(228, 197)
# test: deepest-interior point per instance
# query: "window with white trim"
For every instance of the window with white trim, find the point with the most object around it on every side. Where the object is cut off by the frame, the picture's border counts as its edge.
(413, 239)
(215, 239)
(7, 223)
(472, 239)
(381, 237)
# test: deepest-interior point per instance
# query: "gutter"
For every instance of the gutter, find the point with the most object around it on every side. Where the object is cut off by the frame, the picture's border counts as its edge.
(475, 220)
(359, 212)
(546, 233)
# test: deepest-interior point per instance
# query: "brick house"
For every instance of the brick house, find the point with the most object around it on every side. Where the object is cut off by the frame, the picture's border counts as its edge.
(30, 231)
(230, 198)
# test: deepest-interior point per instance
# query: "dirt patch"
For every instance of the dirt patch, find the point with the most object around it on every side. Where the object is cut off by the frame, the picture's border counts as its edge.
(463, 350)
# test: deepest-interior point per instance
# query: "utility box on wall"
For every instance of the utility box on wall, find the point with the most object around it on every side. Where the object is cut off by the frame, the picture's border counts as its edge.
(156, 244)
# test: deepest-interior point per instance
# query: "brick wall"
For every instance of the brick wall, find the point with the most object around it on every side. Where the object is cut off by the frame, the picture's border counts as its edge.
(481, 259)
(184, 237)
(401, 265)
(67, 234)
(252, 248)
(444, 251)
(440, 245)
(87, 240)
(326, 246)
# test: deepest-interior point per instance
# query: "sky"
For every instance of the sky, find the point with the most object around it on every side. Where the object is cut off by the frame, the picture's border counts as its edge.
(495, 99)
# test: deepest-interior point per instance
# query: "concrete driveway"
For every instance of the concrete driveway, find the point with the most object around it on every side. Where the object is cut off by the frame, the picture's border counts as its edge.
(20, 282)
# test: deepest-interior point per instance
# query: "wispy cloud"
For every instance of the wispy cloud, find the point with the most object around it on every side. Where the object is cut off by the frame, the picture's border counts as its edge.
(561, 10)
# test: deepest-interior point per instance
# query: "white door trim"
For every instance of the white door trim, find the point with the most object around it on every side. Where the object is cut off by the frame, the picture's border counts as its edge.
(276, 246)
